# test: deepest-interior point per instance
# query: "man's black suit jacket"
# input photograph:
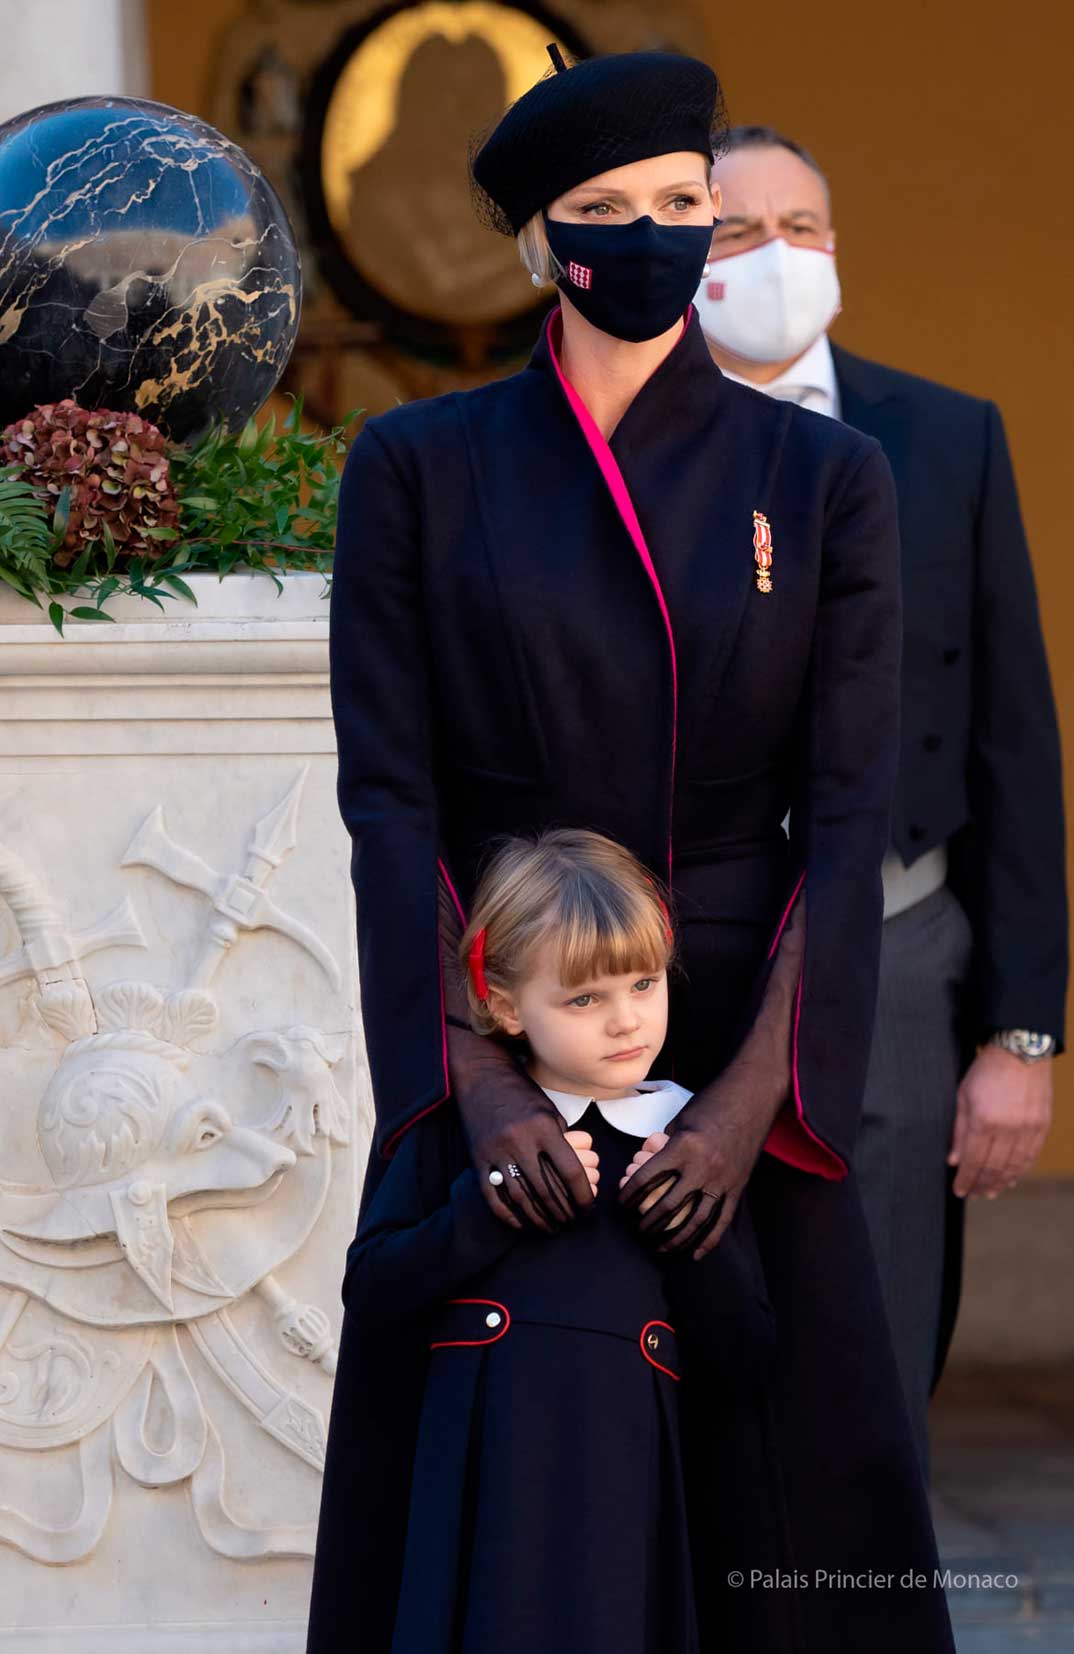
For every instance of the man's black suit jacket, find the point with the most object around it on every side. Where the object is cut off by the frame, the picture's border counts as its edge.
(980, 756)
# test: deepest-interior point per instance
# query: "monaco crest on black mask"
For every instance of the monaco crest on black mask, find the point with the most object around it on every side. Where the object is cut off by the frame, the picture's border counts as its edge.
(634, 280)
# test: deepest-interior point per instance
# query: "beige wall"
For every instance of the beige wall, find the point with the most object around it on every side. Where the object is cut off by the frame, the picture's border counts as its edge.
(947, 131)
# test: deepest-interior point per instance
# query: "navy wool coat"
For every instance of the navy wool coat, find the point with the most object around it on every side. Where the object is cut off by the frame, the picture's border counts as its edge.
(562, 1363)
(532, 627)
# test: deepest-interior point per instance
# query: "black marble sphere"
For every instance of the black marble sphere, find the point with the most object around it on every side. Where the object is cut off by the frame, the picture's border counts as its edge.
(146, 264)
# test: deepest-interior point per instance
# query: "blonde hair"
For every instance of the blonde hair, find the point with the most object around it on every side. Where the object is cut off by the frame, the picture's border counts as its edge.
(534, 251)
(593, 898)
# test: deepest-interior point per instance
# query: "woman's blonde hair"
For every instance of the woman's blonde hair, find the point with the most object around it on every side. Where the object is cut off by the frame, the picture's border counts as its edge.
(534, 251)
(601, 908)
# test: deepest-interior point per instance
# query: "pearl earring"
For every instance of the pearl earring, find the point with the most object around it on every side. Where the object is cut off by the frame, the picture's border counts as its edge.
(706, 268)
(536, 280)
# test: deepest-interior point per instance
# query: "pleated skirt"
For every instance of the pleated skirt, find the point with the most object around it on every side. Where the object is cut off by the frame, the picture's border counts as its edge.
(547, 1502)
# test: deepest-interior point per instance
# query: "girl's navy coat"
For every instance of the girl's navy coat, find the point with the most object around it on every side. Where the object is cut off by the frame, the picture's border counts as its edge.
(560, 1363)
(511, 649)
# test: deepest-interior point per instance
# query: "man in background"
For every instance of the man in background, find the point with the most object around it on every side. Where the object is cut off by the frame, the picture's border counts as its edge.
(974, 958)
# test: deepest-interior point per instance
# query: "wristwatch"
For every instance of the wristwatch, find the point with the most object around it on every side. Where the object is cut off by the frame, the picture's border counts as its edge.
(1020, 1042)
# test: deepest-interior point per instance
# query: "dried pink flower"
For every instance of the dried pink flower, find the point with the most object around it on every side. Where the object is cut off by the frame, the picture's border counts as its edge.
(116, 466)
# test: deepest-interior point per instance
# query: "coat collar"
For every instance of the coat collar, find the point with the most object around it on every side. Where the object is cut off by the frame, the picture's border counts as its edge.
(655, 1103)
(687, 380)
(864, 383)
(681, 458)
(869, 402)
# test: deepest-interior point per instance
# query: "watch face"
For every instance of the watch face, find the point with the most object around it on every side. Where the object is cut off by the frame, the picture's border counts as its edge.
(1024, 1043)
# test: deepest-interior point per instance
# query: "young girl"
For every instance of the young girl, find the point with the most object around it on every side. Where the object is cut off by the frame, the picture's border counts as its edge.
(549, 1504)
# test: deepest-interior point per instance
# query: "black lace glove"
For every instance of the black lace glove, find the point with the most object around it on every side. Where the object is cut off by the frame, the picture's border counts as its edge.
(716, 1139)
(507, 1118)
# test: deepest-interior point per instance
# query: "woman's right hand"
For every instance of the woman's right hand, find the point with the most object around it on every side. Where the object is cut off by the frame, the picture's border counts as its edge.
(510, 1121)
(507, 1118)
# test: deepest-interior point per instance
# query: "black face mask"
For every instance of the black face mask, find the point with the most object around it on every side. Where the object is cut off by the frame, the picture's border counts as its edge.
(634, 280)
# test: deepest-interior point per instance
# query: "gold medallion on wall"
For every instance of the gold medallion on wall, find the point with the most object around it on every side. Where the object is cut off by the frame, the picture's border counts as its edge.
(363, 118)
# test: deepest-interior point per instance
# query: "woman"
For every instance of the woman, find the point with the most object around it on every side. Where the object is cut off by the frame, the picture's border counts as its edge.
(618, 591)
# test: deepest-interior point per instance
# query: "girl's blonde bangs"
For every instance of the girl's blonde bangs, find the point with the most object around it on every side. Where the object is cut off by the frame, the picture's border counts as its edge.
(589, 943)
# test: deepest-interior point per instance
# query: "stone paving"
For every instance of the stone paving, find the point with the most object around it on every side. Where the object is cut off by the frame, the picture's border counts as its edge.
(1003, 1501)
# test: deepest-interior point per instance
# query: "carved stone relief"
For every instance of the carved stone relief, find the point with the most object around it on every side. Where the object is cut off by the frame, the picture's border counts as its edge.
(176, 1174)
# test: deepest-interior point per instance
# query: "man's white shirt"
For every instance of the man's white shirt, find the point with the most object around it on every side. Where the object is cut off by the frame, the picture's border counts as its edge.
(810, 381)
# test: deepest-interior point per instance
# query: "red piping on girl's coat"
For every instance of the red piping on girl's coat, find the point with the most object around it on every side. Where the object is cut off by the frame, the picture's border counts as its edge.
(641, 1345)
(785, 1140)
(609, 470)
(475, 1343)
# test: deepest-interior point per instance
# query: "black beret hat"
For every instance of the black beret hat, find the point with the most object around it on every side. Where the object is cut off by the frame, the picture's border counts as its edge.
(603, 112)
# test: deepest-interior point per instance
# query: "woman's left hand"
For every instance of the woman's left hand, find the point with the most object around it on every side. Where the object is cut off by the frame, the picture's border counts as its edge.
(715, 1141)
(712, 1150)
(655, 1141)
(652, 1145)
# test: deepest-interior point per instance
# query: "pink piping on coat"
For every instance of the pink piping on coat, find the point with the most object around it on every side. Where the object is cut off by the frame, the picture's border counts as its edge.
(624, 505)
(785, 1140)
(793, 1140)
(786, 915)
(391, 1144)
(454, 893)
(609, 470)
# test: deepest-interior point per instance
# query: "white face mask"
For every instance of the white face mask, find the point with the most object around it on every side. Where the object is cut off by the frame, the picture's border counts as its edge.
(770, 304)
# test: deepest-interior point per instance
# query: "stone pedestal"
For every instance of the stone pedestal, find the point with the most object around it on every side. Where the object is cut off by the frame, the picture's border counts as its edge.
(185, 1118)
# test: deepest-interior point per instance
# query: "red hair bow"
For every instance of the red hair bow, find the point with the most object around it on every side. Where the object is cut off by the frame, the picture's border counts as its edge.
(664, 910)
(477, 964)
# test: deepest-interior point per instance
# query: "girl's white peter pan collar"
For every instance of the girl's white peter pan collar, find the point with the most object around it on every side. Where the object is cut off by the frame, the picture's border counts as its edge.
(655, 1103)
